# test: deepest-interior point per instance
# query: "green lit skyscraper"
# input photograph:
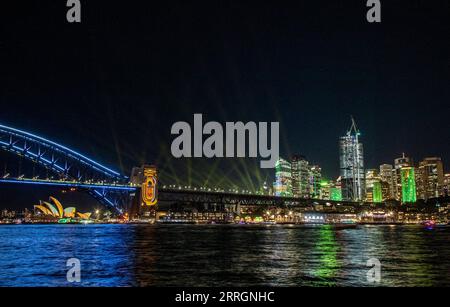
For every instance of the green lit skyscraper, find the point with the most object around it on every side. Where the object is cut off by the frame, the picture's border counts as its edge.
(408, 185)
(336, 194)
(400, 163)
(376, 190)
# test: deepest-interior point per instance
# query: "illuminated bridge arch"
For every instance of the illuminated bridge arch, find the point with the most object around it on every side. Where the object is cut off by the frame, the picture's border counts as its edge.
(72, 168)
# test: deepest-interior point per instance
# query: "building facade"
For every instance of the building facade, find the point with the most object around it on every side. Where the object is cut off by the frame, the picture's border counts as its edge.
(283, 178)
(373, 186)
(300, 172)
(408, 180)
(325, 187)
(352, 165)
(315, 178)
(430, 178)
(336, 190)
(446, 185)
(387, 181)
(399, 164)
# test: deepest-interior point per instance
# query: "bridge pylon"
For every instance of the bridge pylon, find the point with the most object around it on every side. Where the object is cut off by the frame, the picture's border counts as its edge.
(144, 204)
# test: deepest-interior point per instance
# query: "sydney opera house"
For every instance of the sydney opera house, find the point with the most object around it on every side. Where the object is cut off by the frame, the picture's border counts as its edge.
(53, 209)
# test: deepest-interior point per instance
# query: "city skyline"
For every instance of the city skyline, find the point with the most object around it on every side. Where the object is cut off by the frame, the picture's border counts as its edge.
(404, 180)
(311, 184)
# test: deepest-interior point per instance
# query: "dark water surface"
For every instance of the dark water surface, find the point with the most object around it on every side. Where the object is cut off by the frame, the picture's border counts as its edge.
(223, 255)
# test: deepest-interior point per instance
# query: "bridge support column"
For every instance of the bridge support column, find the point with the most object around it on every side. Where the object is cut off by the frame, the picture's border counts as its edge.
(146, 198)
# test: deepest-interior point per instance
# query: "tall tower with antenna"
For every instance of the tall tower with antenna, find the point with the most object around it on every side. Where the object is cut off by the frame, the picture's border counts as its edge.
(352, 164)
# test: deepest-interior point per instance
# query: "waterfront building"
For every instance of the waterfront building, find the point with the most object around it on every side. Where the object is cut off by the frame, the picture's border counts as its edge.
(315, 179)
(283, 178)
(8, 214)
(408, 182)
(300, 172)
(352, 165)
(430, 178)
(54, 210)
(387, 181)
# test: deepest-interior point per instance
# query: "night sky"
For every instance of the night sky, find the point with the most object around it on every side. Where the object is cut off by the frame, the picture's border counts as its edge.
(112, 86)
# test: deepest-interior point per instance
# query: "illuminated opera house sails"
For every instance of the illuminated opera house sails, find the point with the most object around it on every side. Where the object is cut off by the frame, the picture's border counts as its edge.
(56, 210)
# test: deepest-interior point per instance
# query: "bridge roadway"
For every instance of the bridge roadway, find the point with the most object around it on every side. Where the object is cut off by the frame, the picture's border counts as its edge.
(184, 196)
(70, 184)
(227, 198)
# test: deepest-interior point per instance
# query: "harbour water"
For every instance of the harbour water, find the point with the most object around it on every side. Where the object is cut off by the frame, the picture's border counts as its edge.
(223, 255)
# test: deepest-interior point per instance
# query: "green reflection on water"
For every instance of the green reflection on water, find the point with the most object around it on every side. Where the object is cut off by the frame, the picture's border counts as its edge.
(327, 248)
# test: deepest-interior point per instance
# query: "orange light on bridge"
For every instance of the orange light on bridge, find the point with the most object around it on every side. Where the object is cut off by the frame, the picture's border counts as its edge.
(149, 190)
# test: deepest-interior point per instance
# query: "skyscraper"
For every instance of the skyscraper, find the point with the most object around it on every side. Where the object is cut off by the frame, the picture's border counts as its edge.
(295, 173)
(352, 165)
(387, 178)
(283, 178)
(300, 176)
(430, 178)
(399, 164)
(408, 185)
(315, 177)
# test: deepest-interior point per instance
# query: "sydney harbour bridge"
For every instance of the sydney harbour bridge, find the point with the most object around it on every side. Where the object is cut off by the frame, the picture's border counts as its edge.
(74, 170)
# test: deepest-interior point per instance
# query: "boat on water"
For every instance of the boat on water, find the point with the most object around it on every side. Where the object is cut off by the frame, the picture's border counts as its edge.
(430, 224)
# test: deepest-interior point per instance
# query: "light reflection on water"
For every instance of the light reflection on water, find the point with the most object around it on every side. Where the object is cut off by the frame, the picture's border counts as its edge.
(223, 255)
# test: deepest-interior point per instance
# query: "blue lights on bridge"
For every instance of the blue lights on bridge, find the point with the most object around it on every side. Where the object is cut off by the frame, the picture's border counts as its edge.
(61, 147)
(73, 169)
(19, 150)
(69, 184)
